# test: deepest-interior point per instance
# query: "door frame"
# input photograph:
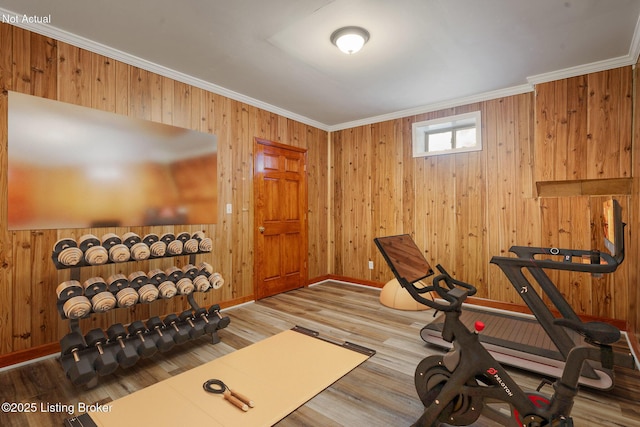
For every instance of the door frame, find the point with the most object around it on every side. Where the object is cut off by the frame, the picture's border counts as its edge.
(305, 220)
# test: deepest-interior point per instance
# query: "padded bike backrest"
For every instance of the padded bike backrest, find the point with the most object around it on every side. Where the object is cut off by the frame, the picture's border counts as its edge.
(406, 260)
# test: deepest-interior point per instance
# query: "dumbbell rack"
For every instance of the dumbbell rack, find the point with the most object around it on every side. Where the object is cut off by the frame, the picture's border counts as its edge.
(85, 358)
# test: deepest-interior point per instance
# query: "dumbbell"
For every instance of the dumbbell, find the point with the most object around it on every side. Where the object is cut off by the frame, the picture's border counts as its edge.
(180, 335)
(127, 355)
(197, 330)
(215, 322)
(223, 321)
(81, 370)
(104, 363)
(164, 342)
(146, 348)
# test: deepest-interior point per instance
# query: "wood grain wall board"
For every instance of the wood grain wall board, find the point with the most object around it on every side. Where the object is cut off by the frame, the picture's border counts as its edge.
(561, 141)
(625, 121)
(545, 132)
(318, 175)
(103, 84)
(634, 210)
(386, 182)
(44, 57)
(577, 127)
(6, 256)
(43, 284)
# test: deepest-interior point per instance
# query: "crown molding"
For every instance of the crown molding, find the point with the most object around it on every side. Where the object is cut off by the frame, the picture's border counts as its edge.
(580, 70)
(485, 96)
(118, 55)
(98, 48)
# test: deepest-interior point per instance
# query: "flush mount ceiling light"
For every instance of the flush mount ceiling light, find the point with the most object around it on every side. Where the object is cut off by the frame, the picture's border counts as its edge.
(350, 39)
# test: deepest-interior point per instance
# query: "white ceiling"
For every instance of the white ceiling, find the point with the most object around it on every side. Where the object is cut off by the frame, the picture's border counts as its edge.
(422, 55)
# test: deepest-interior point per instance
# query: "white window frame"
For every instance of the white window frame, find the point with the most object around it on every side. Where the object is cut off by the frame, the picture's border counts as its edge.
(421, 130)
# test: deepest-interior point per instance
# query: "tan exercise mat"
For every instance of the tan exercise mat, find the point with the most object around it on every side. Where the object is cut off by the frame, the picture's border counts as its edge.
(279, 374)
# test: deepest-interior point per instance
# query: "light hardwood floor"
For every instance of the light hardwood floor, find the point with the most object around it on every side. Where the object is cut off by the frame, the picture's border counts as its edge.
(380, 392)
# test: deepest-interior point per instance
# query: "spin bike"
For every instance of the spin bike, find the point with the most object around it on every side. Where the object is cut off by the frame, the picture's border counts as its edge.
(468, 382)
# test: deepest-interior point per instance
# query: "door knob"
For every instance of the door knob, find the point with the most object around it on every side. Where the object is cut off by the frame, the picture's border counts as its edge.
(261, 229)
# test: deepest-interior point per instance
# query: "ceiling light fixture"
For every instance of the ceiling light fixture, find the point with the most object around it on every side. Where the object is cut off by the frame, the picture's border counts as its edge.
(350, 39)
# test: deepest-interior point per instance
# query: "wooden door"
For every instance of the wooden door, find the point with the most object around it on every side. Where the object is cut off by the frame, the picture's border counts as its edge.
(280, 219)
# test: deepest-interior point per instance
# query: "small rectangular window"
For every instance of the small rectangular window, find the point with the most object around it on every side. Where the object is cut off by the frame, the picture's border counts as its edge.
(453, 134)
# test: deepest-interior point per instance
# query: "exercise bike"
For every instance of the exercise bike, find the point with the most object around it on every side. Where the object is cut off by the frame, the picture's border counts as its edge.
(467, 382)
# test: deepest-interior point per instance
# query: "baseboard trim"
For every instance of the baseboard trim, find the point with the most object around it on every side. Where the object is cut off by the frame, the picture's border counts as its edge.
(28, 355)
(346, 279)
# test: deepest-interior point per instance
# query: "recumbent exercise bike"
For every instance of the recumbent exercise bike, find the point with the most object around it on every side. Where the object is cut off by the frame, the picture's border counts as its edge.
(467, 381)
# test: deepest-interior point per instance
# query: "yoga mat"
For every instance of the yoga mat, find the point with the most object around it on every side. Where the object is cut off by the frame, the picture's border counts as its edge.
(279, 374)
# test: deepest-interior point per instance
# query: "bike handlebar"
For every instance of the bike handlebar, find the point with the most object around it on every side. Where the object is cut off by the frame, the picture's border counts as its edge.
(455, 292)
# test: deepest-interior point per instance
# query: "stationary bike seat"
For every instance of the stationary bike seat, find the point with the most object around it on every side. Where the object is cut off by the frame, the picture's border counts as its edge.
(598, 332)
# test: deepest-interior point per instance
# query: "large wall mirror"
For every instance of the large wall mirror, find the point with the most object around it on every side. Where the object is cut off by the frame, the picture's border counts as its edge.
(76, 167)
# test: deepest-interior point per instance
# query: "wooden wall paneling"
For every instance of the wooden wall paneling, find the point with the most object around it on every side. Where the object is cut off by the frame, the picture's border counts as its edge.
(122, 77)
(262, 128)
(500, 222)
(339, 150)
(6, 260)
(494, 225)
(633, 213)
(599, 111)
(576, 108)
(358, 209)
(561, 141)
(319, 209)
(21, 53)
(604, 107)
(423, 207)
(625, 120)
(442, 224)
(103, 83)
(295, 134)
(44, 61)
(74, 75)
(549, 226)
(21, 239)
(470, 219)
(44, 317)
(204, 109)
(219, 120)
(356, 216)
(338, 143)
(386, 189)
(409, 207)
(562, 239)
(527, 233)
(140, 99)
(579, 230)
(545, 132)
(22, 280)
(243, 215)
